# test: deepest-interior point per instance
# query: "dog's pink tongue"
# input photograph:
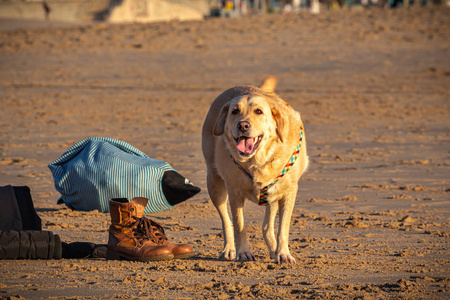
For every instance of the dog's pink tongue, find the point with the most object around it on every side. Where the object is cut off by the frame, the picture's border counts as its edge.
(245, 145)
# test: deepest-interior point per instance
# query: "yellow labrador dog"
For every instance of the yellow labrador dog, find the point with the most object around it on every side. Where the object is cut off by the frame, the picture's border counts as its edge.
(255, 149)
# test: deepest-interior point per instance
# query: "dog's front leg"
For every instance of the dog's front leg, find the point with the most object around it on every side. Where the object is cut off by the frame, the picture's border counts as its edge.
(229, 250)
(268, 228)
(218, 194)
(282, 254)
(243, 252)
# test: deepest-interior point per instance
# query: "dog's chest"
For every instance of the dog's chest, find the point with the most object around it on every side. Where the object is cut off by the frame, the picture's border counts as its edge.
(243, 185)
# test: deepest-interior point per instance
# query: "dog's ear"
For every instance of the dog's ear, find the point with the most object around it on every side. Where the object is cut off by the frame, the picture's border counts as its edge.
(219, 128)
(269, 84)
(280, 123)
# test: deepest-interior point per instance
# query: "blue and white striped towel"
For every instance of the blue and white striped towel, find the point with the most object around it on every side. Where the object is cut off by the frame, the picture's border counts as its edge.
(97, 169)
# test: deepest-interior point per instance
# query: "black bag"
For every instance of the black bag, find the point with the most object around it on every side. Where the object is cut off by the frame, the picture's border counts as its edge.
(18, 211)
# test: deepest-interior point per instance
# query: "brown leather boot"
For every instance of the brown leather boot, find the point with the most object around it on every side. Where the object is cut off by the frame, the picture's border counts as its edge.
(131, 236)
(178, 250)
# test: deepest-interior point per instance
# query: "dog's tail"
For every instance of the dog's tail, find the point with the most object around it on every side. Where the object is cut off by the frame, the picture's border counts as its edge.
(269, 84)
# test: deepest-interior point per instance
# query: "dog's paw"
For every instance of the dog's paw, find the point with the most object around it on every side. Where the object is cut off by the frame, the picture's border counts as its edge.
(273, 255)
(245, 256)
(227, 254)
(285, 258)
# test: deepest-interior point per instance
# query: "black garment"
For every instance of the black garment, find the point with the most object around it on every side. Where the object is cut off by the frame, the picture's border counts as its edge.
(21, 236)
(44, 245)
(10, 218)
(18, 211)
(83, 250)
(177, 188)
(29, 245)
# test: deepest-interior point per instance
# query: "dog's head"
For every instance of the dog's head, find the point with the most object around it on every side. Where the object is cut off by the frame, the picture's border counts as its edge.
(249, 123)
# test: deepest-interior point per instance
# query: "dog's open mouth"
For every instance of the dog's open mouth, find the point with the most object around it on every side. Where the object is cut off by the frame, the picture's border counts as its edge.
(247, 145)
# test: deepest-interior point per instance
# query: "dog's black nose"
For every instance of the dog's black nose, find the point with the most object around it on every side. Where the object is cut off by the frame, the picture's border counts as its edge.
(243, 126)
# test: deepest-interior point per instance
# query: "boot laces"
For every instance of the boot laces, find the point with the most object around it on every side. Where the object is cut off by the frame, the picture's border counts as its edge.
(146, 229)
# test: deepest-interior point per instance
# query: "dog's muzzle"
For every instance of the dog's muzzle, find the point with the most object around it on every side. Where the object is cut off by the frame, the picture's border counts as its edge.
(247, 145)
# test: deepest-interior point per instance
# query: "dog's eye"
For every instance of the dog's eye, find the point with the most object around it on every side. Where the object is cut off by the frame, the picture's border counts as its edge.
(258, 111)
(235, 111)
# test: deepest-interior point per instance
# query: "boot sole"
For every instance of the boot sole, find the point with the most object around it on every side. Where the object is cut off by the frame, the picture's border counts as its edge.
(111, 255)
(184, 255)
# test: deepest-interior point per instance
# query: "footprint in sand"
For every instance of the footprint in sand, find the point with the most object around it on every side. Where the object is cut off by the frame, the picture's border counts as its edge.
(12, 161)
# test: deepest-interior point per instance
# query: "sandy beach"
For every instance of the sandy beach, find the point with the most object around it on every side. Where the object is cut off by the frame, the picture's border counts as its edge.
(372, 216)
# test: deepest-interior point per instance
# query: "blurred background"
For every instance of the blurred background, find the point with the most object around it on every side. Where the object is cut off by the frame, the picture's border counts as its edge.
(119, 11)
